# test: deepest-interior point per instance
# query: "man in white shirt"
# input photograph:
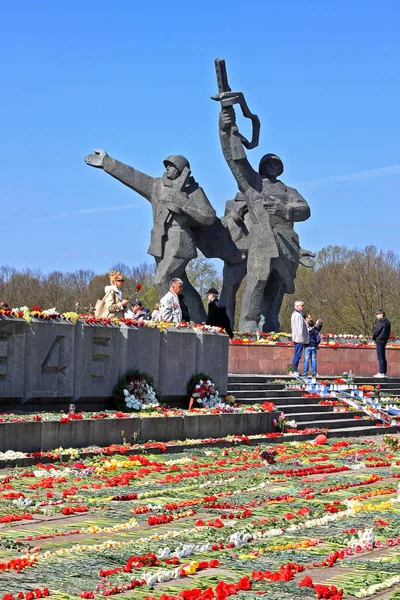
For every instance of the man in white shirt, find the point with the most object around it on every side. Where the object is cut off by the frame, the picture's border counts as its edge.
(300, 335)
(170, 310)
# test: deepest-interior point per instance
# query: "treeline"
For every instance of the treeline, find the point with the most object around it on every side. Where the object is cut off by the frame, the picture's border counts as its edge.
(345, 287)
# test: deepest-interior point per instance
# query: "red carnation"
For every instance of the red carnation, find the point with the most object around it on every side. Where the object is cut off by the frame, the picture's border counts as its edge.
(306, 582)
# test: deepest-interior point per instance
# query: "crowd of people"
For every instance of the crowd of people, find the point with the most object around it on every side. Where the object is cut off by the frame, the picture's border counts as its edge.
(306, 338)
(172, 308)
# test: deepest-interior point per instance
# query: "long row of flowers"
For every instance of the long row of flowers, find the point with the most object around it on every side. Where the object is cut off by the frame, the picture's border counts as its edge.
(209, 524)
(328, 340)
(36, 313)
(152, 412)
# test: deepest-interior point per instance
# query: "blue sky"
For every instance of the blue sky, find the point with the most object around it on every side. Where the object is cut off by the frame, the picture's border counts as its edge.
(135, 78)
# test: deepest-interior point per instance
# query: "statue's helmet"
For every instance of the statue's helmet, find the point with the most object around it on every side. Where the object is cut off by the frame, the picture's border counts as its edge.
(180, 162)
(268, 158)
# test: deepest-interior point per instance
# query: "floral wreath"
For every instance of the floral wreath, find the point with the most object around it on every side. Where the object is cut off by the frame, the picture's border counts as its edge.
(201, 390)
(135, 392)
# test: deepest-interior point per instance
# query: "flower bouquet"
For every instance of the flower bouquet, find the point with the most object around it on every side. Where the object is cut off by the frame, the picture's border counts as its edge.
(135, 392)
(281, 423)
(201, 389)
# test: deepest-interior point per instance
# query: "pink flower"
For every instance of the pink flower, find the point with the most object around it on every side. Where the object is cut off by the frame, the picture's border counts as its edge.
(358, 548)
(390, 542)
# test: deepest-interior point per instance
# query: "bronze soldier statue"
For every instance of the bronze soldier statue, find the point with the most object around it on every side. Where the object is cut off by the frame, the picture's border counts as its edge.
(265, 212)
(179, 206)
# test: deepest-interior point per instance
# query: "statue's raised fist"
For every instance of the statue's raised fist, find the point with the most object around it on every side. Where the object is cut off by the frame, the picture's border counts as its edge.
(96, 159)
(228, 117)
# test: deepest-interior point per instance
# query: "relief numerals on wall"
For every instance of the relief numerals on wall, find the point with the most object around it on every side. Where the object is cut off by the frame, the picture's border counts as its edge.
(3, 354)
(100, 358)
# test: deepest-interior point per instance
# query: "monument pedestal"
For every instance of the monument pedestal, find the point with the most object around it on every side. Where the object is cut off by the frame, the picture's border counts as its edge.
(273, 360)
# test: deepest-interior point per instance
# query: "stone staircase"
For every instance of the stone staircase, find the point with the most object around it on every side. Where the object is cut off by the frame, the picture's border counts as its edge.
(307, 412)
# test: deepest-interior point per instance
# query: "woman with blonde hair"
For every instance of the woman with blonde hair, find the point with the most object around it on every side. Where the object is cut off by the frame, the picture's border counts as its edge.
(113, 305)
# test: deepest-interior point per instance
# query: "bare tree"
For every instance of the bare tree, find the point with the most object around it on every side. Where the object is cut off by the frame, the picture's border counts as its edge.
(202, 274)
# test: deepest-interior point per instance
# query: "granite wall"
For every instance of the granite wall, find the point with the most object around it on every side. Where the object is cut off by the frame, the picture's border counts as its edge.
(266, 360)
(59, 360)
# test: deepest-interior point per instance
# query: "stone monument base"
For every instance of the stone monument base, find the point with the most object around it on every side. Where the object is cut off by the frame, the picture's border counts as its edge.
(50, 364)
(273, 360)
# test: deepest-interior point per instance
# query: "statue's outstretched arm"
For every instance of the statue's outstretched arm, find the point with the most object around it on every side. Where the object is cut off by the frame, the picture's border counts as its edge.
(136, 180)
(246, 177)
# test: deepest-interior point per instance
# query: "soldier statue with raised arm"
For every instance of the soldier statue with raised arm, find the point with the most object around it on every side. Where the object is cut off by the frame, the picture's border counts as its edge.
(179, 206)
(267, 209)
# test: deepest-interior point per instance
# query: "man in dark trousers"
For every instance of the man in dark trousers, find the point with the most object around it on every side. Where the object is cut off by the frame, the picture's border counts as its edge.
(381, 335)
(217, 312)
(184, 308)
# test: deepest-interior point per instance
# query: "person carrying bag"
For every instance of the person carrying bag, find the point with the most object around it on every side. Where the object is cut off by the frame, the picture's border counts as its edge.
(112, 305)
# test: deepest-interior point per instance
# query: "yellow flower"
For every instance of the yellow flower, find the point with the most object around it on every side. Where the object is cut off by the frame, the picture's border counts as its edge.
(191, 568)
(72, 316)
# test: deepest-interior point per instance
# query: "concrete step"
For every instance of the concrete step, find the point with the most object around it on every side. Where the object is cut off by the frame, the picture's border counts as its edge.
(252, 378)
(235, 386)
(341, 423)
(358, 431)
(263, 393)
(377, 380)
(280, 400)
(364, 430)
(248, 378)
(328, 417)
(288, 409)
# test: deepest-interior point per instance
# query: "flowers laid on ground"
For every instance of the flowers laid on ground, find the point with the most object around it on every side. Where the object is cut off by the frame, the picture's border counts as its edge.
(154, 411)
(230, 399)
(289, 521)
(135, 392)
(392, 442)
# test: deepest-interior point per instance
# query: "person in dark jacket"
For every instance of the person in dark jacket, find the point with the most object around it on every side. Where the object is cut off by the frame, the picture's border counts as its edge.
(184, 308)
(381, 336)
(310, 349)
(217, 315)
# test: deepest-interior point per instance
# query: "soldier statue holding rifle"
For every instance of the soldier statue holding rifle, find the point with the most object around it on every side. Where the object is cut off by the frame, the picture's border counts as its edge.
(265, 210)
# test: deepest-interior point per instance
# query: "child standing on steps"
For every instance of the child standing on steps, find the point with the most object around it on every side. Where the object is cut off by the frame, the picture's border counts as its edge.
(310, 350)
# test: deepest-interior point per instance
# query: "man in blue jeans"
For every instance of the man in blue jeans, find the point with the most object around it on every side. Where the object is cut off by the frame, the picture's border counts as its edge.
(300, 335)
(381, 336)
